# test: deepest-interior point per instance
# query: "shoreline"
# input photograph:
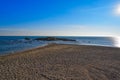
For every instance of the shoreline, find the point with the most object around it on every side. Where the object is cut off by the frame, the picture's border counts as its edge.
(47, 45)
(21, 51)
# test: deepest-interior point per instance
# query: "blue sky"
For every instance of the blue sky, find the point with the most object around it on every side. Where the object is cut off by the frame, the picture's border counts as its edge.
(60, 17)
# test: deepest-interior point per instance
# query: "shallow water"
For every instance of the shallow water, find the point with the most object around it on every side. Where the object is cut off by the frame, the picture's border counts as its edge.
(11, 44)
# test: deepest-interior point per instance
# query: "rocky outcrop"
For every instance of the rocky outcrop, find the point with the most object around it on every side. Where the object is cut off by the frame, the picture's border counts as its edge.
(27, 38)
(54, 39)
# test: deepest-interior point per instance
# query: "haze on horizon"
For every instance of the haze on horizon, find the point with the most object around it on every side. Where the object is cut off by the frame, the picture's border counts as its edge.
(60, 17)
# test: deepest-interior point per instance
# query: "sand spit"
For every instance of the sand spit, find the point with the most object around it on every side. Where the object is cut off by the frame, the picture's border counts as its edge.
(62, 62)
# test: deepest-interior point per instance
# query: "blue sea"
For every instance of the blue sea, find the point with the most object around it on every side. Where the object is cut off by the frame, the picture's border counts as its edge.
(12, 44)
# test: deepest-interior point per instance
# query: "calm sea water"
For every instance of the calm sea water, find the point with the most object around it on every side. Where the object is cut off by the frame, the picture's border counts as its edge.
(11, 44)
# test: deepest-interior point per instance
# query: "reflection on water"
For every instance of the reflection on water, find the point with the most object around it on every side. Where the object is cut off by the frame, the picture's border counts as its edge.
(117, 41)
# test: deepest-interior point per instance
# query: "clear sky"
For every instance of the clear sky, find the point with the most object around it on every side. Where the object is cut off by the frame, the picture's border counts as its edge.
(60, 17)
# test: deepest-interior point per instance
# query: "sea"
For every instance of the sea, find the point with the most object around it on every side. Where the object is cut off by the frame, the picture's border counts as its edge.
(13, 44)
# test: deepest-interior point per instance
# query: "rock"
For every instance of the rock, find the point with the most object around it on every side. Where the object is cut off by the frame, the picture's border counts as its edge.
(54, 39)
(26, 38)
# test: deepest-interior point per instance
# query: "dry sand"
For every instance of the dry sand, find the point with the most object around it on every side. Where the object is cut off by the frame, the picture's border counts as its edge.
(62, 62)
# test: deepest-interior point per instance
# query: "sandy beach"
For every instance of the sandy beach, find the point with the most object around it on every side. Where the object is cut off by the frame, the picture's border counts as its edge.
(62, 62)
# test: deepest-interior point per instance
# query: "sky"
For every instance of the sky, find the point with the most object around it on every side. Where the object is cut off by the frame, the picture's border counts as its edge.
(59, 17)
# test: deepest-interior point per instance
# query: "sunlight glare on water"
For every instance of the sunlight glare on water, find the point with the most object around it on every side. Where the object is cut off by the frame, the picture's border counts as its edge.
(117, 41)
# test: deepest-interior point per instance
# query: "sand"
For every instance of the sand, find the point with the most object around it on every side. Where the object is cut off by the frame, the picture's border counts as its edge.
(62, 62)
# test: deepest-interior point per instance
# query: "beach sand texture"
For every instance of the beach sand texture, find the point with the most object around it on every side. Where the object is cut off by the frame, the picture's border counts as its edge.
(62, 62)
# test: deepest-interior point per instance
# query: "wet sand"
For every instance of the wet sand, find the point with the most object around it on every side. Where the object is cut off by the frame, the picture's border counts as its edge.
(62, 62)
